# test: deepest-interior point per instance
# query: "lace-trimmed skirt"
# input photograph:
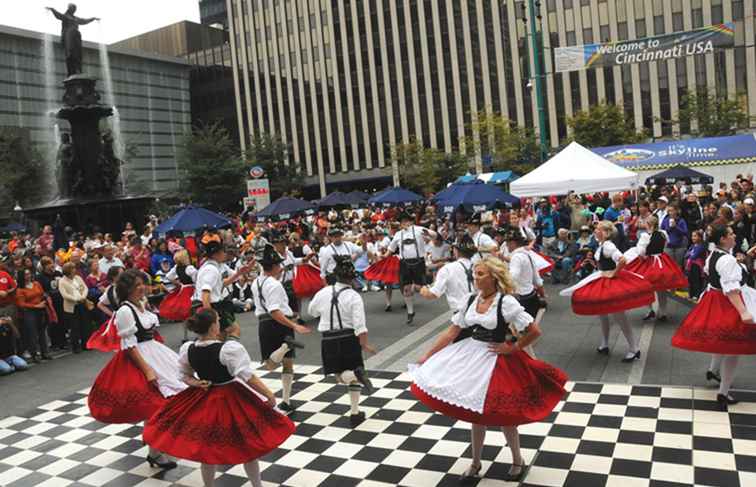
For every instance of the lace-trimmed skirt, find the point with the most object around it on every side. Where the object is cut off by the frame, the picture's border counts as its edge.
(227, 424)
(714, 326)
(467, 382)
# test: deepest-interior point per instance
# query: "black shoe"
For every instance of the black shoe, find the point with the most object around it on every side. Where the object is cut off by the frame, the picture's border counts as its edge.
(662, 319)
(404, 306)
(410, 318)
(713, 376)
(292, 343)
(603, 350)
(650, 316)
(361, 375)
(725, 401)
(285, 406)
(515, 477)
(356, 419)
(387, 309)
(155, 463)
(635, 357)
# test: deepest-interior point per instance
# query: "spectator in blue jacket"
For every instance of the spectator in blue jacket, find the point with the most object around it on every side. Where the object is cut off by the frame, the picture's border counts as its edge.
(547, 223)
(161, 254)
(677, 233)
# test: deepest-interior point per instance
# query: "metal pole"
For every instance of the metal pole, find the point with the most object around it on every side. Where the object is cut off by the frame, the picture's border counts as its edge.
(535, 48)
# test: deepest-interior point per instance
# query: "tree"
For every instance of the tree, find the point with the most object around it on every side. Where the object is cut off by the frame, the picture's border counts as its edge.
(272, 154)
(24, 177)
(213, 172)
(714, 114)
(604, 125)
(426, 169)
(509, 146)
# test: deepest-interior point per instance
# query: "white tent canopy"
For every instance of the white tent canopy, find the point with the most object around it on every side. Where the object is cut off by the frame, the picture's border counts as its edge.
(576, 169)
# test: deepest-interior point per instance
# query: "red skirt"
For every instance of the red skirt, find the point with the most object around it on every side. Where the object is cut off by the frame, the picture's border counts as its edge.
(661, 271)
(121, 393)
(224, 425)
(605, 295)
(522, 390)
(177, 306)
(385, 270)
(547, 269)
(106, 338)
(714, 326)
(307, 281)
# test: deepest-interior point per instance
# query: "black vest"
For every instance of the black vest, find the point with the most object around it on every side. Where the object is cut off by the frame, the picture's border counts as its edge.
(715, 280)
(656, 244)
(206, 363)
(142, 334)
(182, 276)
(297, 251)
(500, 334)
(605, 263)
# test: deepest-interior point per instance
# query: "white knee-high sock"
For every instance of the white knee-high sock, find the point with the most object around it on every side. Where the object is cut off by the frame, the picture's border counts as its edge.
(253, 473)
(286, 381)
(208, 474)
(410, 302)
(388, 294)
(347, 377)
(604, 331)
(729, 366)
(277, 356)
(354, 398)
(662, 299)
(716, 362)
(627, 330)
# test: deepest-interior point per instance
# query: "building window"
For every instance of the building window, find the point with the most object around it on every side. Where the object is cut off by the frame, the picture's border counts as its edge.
(677, 22)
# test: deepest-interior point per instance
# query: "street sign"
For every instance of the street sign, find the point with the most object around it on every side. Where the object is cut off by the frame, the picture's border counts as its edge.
(256, 172)
(249, 204)
(259, 190)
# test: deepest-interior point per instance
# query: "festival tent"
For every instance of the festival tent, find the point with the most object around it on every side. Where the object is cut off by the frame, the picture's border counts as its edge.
(499, 177)
(335, 199)
(284, 208)
(358, 198)
(473, 197)
(679, 173)
(192, 219)
(576, 169)
(395, 196)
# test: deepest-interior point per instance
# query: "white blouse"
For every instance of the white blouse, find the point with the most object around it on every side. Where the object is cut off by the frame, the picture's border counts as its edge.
(511, 310)
(127, 327)
(608, 249)
(233, 356)
(730, 272)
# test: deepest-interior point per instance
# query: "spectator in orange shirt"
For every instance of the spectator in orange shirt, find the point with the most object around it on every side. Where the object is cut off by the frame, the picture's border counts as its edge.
(140, 254)
(30, 300)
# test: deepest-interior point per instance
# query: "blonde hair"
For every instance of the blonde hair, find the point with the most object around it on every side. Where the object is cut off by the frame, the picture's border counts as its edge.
(500, 272)
(608, 227)
(653, 222)
(182, 257)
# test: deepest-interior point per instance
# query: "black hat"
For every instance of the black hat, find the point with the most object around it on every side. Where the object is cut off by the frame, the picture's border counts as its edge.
(270, 257)
(335, 230)
(465, 244)
(474, 219)
(344, 269)
(213, 246)
(515, 236)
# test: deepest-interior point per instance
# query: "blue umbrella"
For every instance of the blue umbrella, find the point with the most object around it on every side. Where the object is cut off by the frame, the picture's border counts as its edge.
(191, 219)
(394, 197)
(284, 208)
(337, 198)
(473, 197)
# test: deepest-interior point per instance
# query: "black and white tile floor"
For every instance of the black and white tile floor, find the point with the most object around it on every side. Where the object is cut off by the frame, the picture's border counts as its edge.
(600, 435)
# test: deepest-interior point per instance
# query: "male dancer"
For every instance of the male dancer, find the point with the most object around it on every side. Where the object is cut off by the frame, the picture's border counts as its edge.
(336, 247)
(342, 323)
(276, 329)
(483, 242)
(411, 247)
(455, 279)
(289, 264)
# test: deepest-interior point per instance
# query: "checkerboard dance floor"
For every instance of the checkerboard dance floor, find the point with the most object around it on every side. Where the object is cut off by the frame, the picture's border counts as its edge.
(600, 435)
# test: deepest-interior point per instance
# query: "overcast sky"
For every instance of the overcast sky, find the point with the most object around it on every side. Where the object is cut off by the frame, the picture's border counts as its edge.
(120, 18)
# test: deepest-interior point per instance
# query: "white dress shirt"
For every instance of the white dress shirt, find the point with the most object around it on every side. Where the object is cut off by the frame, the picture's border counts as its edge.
(328, 252)
(485, 245)
(351, 308)
(274, 296)
(106, 264)
(414, 250)
(289, 260)
(452, 281)
(523, 272)
(209, 278)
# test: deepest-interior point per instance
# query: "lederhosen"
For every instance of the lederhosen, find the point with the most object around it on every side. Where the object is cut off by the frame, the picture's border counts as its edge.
(270, 332)
(289, 288)
(411, 271)
(142, 334)
(206, 363)
(340, 348)
(224, 307)
(467, 332)
(715, 280)
(532, 302)
(330, 276)
(500, 334)
(656, 244)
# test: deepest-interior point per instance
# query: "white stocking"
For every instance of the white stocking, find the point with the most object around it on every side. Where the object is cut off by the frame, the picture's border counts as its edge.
(716, 363)
(354, 398)
(661, 297)
(627, 330)
(208, 474)
(604, 331)
(253, 473)
(729, 366)
(409, 300)
(286, 381)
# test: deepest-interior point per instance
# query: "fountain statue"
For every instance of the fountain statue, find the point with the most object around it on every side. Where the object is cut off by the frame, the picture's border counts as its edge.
(71, 36)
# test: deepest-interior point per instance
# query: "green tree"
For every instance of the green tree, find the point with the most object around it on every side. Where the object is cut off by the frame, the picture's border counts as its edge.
(425, 169)
(213, 172)
(24, 177)
(604, 125)
(714, 114)
(272, 154)
(509, 146)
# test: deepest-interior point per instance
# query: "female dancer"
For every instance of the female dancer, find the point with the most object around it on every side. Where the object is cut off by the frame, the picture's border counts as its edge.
(487, 379)
(386, 268)
(722, 322)
(648, 259)
(227, 415)
(611, 291)
(136, 381)
(177, 306)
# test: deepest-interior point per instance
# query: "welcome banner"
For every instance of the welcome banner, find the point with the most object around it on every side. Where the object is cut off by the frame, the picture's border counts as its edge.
(667, 46)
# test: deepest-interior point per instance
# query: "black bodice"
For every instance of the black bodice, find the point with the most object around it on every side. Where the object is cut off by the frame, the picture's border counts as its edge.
(206, 363)
(605, 262)
(142, 334)
(182, 275)
(657, 243)
(500, 334)
(715, 280)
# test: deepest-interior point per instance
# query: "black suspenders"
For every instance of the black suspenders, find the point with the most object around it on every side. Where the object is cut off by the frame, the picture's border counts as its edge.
(260, 293)
(335, 305)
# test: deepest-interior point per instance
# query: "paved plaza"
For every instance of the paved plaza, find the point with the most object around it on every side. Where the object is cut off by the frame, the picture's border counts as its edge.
(651, 423)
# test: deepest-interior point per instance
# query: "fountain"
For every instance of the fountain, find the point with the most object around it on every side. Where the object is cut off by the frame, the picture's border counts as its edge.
(87, 165)
(107, 76)
(53, 129)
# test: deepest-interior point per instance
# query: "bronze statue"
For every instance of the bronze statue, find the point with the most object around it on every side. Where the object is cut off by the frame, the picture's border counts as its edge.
(64, 171)
(71, 37)
(110, 164)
